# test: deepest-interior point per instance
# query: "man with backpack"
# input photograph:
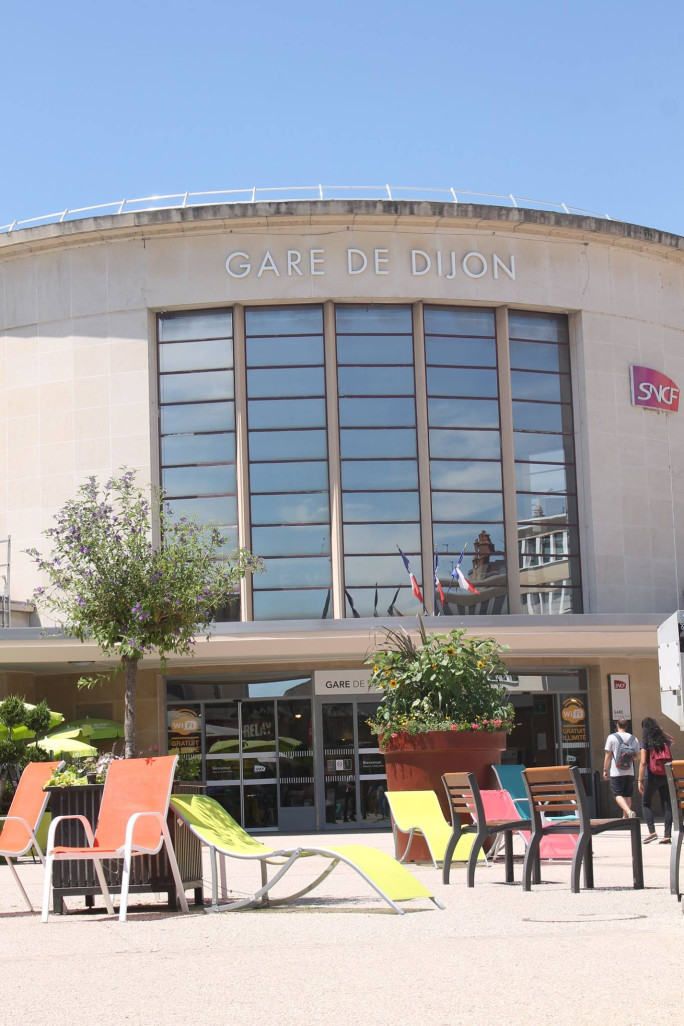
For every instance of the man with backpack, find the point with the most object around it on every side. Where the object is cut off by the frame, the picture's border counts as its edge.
(621, 748)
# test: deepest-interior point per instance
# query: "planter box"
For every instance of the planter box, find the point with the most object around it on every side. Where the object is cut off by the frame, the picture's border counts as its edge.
(416, 762)
(149, 873)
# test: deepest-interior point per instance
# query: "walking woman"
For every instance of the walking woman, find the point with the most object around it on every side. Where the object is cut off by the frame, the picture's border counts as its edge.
(655, 753)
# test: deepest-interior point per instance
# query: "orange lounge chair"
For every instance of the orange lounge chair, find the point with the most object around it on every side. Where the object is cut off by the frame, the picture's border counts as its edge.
(132, 821)
(21, 822)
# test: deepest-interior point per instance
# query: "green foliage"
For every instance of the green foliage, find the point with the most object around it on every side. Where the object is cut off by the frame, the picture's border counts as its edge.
(38, 719)
(11, 751)
(188, 767)
(108, 582)
(32, 753)
(13, 712)
(447, 682)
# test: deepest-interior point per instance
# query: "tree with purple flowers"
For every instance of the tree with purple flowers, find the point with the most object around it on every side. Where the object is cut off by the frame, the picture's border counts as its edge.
(107, 580)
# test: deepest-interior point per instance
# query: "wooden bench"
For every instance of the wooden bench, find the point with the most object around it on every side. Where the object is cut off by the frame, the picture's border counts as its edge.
(558, 791)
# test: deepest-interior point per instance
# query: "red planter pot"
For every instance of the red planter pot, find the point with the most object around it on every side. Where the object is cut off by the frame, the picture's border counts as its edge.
(416, 762)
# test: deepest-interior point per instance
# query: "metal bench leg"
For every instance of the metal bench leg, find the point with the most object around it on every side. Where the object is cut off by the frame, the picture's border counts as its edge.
(637, 860)
(583, 855)
(508, 854)
(472, 858)
(675, 854)
(531, 863)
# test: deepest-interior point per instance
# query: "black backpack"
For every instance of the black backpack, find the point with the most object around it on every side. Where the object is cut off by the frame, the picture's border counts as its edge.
(624, 757)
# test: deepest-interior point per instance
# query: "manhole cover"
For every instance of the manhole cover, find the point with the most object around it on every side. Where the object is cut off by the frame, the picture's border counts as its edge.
(583, 917)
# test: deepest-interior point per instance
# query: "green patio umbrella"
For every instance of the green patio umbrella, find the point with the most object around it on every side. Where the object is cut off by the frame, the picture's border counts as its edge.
(66, 746)
(95, 727)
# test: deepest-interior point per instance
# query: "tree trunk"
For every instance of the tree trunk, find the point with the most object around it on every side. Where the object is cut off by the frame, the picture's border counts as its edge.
(130, 666)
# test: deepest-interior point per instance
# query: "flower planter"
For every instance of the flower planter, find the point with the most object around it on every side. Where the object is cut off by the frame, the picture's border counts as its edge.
(416, 762)
(149, 873)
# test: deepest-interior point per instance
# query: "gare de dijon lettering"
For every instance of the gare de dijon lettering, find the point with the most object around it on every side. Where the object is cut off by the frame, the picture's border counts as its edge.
(442, 263)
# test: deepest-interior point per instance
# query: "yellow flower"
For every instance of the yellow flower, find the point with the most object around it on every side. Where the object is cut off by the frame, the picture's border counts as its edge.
(393, 683)
(480, 665)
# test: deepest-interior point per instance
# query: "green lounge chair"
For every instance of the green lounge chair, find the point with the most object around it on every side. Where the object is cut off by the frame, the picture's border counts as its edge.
(217, 829)
(418, 813)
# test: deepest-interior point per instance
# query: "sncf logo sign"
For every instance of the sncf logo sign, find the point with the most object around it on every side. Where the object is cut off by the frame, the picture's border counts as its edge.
(652, 389)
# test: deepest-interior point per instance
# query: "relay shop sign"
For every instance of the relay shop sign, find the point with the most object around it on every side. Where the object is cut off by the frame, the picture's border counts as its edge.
(620, 700)
(653, 390)
(301, 263)
(345, 683)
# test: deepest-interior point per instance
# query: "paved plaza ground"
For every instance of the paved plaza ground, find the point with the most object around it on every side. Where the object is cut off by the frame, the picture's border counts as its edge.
(340, 956)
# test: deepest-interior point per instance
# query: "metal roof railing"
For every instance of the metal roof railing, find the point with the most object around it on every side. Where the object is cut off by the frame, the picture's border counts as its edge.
(298, 192)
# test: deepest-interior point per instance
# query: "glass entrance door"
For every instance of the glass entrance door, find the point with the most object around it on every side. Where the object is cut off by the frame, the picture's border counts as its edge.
(258, 760)
(353, 767)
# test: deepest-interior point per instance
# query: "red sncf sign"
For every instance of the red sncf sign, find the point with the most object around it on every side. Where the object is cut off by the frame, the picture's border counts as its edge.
(654, 390)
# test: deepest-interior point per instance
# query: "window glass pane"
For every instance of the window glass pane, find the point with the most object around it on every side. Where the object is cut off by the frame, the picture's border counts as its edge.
(378, 412)
(392, 600)
(270, 352)
(286, 413)
(451, 539)
(288, 477)
(368, 570)
(285, 381)
(376, 444)
(381, 537)
(206, 324)
(284, 445)
(463, 413)
(445, 320)
(540, 477)
(539, 356)
(197, 417)
(199, 480)
(546, 601)
(465, 382)
(175, 388)
(375, 381)
(528, 385)
(179, 449)
(383, 319)
(538, 416)
(544, 448)
(386, 474)
(291, 540)
(467, 506)
(293, 605)
(220, 510)
(380, 349)
(539, 508)
(449, 475)
(362, 507)
(545, 327)
(295, 573)
(465, 444)
(290, 509)
(468, 352)
(285, 320)
(180, 356)
(258, 722)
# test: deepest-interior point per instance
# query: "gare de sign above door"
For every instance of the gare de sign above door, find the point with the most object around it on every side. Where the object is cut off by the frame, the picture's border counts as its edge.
(652, 389)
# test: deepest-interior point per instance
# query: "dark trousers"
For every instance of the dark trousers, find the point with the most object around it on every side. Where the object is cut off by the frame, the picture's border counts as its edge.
(657, 785)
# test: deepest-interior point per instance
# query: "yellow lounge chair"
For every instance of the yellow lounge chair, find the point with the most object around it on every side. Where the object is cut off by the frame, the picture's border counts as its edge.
(217, 829)
(418, 813)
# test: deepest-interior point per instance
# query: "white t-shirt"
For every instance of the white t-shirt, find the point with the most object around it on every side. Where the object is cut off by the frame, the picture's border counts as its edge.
(612, 747)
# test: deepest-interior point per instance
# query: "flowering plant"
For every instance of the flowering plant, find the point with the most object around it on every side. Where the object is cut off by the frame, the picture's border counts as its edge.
(446, 682)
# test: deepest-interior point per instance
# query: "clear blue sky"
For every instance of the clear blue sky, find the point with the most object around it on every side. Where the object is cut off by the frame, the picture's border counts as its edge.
(578, 102)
